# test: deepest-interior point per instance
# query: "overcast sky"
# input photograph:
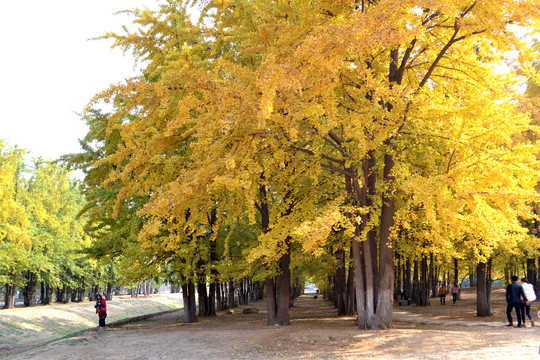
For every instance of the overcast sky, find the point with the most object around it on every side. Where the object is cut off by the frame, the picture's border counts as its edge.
(49, 71)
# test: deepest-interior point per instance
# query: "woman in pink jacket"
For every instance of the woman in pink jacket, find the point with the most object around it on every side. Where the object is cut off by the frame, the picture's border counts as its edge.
(101, 310)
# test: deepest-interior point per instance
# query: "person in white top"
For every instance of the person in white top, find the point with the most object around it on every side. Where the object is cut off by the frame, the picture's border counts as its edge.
(530, 294)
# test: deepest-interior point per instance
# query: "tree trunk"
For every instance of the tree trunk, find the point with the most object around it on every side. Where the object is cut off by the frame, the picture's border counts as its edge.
(359, 282)
(386, 261)
(362, 255)
(424, 287)
(203, 298)
(9, 300)
(232, 300)
(271, 305)
(351, 310)
(433, 276)
(29, 291)
(190, 309)
(284, 286)
(340, 283)
(415, 285)
(483, 288)
(407, 286)
(456, 271)
(67, 295)
(531, 270)
(472, 280)
(368, 198)
(108, 292)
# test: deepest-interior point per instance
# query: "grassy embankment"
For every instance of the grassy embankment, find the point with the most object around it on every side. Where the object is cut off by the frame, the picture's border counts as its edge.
(23, 327)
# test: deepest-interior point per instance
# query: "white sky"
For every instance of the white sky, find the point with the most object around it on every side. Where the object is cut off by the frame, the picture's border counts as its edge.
(50, 71)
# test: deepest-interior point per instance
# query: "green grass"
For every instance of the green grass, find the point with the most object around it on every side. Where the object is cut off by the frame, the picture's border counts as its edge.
(35, 325)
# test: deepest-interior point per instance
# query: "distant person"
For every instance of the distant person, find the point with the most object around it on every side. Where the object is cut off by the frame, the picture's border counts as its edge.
(454, 291)
(528, 289)
(101, 310)
(405, 298)
(442, 294)
(514, 294)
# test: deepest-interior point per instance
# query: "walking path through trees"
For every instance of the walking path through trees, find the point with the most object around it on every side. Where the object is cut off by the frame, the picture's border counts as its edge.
(316, 332)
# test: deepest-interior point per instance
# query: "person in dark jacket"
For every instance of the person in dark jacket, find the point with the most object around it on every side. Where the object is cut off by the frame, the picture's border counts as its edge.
(101, 310)
(514, 293)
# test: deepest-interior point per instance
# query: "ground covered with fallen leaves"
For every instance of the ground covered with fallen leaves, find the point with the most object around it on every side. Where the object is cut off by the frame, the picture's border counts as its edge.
(316, 332)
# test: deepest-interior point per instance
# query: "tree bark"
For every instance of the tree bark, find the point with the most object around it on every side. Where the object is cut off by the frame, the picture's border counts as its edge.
(29, 291)
(190, 308)
(386, 263)
(108, 292)
(483, 288)
(203, 297)
(531, 270)
(284, 286)
(9, 300)
(359, 282)
(340, 283)
(271, 305)
(370, 174)
(456, 271)
(407, 286)
(424, 287)
(232, 301)
(351, 310)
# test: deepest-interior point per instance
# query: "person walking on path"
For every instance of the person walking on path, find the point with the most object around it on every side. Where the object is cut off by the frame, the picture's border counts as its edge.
(514, 293)
(442, 294)
(455, 291)
(101, 310)
(528, 289)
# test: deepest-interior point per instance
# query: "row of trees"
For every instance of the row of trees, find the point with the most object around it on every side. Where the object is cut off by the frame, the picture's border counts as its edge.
(42, 243)
(276, 139)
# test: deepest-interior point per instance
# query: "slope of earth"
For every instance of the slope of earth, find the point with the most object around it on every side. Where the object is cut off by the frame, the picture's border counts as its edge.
(25, 327)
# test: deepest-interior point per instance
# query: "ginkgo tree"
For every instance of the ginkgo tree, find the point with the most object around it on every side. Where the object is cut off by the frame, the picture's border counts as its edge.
(14, 242)
(325, 110)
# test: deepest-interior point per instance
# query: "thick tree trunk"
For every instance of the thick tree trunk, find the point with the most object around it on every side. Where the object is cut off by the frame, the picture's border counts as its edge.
(351, 310)
(60, 294)
(398, 275)
(9, 299)
(271, 305)
(424, 288)
(109, 291)
(212, 219)
(67, 295)
(415, 285)
(42, 293)
(386, 261)
(407, 286)
(483, 288)
(232, 300)
(359, 282)
(190, 307)
(472, 280)
(241, 296)
(370, 193)
(340, 283)
(531, 270)
(214, 285)
(433, 276)
(203, 298)
(284, 286)
(371, 321)
(29, 291)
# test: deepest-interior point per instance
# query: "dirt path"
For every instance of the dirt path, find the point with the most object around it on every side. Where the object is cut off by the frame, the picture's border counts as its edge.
(315, 333)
